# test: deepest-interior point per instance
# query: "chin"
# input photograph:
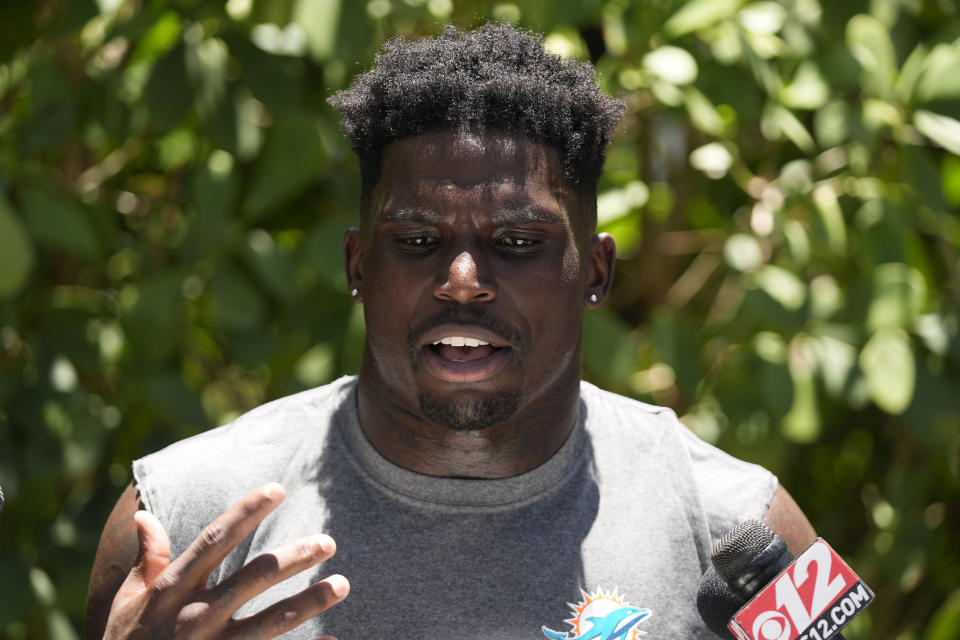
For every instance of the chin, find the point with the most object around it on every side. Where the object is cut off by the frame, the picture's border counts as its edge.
(470, 413)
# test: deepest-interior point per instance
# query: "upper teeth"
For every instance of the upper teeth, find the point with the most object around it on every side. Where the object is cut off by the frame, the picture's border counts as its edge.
(460, 341)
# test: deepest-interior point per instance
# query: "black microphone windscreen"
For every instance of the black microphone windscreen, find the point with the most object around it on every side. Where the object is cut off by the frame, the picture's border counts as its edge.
(717, 603)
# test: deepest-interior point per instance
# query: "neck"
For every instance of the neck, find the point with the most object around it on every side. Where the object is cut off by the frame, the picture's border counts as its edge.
(525, 441)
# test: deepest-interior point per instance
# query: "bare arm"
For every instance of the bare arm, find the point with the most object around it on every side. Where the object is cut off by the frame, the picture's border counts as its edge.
(136, 591)
(786, 519)
(117, 553)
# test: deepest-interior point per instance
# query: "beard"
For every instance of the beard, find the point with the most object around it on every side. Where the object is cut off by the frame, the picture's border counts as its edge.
(470, 413)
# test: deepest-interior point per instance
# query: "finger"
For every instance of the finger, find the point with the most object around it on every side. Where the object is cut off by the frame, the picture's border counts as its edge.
(268, 569)
(293, 611)
(228, 530)
(154, 547)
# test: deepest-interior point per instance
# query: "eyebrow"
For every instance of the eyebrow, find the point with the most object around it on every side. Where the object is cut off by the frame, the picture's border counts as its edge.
(502, 217)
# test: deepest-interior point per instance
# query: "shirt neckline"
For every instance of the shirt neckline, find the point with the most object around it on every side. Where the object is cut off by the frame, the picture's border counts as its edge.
(456, 492)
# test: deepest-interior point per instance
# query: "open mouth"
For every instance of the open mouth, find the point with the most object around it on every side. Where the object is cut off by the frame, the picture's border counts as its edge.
(464, 356)
(463, 349)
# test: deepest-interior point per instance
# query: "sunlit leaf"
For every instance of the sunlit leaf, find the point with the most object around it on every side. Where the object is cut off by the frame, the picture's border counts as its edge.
(763, 17)
(938, 79)
(702, 112)
(888, 364)
(831, 215)
(778, 120)
(743, 252)
(699, 14)
(945, 620)
(869, 42)
(616, 203)
(808, 90)
(160, 39)
(714, 159)
(782, 286)
(943, 130)
(673, 64)
(899, 295)
(319, 20)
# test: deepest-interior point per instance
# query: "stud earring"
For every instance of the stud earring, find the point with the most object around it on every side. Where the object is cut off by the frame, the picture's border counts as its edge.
(354, 293)
(593, 297)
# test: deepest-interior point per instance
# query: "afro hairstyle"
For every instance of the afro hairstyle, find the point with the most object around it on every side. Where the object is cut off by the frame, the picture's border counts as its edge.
(494, 77)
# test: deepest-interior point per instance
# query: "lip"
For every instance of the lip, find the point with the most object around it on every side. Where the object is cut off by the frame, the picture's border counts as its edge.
(460, 372)
(467, 331)
(464, 372)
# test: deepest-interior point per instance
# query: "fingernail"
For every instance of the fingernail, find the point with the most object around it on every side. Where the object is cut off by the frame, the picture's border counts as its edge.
(325, 543)
(273, 491)
(339, 584)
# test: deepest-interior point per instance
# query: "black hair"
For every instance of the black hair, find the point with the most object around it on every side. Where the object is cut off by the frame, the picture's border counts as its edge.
(494, 77)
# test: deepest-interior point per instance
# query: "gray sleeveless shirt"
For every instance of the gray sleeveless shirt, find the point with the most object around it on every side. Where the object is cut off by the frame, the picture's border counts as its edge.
(621, 520)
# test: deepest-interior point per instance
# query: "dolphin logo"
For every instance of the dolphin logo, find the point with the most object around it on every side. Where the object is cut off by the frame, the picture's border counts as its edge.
(615, 624)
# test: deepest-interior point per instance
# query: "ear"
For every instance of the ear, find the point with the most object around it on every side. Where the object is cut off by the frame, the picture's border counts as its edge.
(353, 262)
(600, 261)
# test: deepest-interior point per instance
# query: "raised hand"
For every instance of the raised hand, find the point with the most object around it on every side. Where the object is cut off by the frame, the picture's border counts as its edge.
(164, 599)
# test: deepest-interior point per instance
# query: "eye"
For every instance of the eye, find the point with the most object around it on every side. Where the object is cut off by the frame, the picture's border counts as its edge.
(417, 242)
(517, 242)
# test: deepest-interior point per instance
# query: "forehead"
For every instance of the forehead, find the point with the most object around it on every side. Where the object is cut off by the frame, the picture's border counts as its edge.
(494, 168)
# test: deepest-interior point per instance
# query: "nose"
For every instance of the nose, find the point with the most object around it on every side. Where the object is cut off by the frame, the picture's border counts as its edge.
(462, 283)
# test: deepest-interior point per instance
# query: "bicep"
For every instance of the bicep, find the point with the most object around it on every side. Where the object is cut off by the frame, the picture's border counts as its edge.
(788, 521)
(116, 556)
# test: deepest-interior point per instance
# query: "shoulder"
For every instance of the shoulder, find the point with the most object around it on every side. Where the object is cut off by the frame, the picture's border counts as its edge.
(196, 479)
(620, 415)
(727, 489)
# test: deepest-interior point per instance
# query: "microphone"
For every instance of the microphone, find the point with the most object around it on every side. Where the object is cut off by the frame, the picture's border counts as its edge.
(756, 590)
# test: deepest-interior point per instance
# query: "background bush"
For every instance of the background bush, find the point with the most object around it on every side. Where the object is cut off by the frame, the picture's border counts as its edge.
(784, 192)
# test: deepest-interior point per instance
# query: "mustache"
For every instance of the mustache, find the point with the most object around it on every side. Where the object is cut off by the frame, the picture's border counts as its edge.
(463, 315)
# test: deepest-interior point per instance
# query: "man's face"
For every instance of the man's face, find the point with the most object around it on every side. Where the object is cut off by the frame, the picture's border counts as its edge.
(472, 276)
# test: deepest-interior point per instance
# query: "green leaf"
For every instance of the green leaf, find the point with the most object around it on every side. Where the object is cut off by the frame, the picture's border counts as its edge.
(939, 79)
(699, 14)
(950, 179)
(160, 39)
(777, 119)
(702, 113)
(943, 130)
(802, 422)
(59, 223)
(16, 252)
(899, 296)
(239, 305)
(782, 285)
(946, 620)
(319, 20)
(167, 95)
(887, 362)
(869, 42)
(831, 216)
(294, 156)
(609, 348)
(809, 89)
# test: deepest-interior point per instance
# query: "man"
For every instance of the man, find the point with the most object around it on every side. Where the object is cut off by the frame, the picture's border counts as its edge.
(474, 485)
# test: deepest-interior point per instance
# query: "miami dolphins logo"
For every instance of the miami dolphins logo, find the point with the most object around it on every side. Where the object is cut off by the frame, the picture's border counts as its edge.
(601, 616)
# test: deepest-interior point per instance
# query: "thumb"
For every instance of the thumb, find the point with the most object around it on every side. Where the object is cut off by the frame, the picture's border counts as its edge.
(154, 547)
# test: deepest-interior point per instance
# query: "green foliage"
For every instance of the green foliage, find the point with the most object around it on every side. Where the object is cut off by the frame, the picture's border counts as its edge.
(784, 190)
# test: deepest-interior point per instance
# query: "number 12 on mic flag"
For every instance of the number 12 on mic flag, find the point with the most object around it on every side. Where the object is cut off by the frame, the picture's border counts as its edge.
(812, 599)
